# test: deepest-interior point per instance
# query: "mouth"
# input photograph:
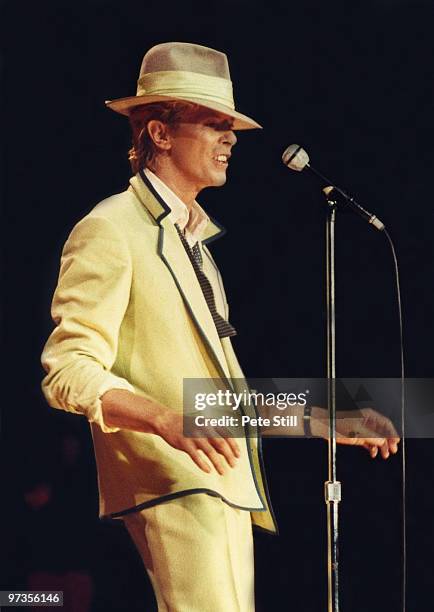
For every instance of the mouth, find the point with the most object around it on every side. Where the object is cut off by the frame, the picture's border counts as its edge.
(222, 159)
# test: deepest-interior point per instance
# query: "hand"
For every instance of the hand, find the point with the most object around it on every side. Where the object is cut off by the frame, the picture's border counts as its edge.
(126, 410)
(365, 427)
(217, 449)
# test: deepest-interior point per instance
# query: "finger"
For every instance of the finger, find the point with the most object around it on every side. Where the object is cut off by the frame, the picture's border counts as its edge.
(212, 455)
(380, 444)
(393, 445)
(225, 434)
(224, 448)
(384, 449)
(373, 451)
(234, 446)
(371, 448)
(199, 460)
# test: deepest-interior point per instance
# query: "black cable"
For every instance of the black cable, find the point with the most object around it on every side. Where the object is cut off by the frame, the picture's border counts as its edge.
(404, 513)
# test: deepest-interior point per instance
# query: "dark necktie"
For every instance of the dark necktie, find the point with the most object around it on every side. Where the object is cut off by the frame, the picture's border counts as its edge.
(224, 328)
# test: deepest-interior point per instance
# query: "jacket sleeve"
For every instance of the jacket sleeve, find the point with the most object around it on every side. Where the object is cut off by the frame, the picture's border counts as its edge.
(88, 306)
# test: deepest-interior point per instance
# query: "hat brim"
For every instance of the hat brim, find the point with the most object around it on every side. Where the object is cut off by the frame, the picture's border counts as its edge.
(124, 105)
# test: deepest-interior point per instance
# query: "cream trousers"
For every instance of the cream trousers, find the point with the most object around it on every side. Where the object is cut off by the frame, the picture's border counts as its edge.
(198, 552)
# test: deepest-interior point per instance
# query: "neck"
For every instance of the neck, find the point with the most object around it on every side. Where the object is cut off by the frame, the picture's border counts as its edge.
(177, 182)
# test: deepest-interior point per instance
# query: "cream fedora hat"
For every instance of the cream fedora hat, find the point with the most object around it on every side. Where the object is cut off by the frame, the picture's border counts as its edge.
(184, 71)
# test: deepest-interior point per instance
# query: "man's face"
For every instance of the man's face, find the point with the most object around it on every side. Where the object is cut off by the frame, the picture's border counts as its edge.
(200, 149)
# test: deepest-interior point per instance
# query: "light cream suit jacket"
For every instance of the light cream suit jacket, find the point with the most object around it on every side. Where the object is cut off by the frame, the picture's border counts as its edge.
(130, 314)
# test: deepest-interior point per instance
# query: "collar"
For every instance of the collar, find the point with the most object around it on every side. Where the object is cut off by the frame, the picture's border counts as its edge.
(146, 193)
(191, 221)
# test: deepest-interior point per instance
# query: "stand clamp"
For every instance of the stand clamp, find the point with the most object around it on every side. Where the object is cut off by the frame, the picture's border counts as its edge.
(332, 492)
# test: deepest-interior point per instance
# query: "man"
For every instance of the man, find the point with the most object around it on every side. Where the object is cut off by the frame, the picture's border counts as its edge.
(139, 308)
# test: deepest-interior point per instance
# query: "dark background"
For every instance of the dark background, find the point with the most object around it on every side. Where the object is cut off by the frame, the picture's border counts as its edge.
(352, 83)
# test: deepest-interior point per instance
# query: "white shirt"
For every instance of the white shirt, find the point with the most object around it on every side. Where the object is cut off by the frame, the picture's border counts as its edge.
(192, 222)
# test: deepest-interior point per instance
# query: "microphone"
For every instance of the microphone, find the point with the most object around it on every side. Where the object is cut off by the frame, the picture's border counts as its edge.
(296, 158)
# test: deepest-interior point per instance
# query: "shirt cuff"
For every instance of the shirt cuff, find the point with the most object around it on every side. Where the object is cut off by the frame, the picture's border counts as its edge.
(95, 414)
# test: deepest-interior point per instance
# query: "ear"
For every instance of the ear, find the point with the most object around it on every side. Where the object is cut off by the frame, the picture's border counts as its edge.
(159, 133)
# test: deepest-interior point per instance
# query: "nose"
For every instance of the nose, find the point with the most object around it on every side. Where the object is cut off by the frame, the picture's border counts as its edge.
(229, 138)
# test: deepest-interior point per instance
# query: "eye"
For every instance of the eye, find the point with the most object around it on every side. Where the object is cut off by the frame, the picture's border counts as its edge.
(221, 126)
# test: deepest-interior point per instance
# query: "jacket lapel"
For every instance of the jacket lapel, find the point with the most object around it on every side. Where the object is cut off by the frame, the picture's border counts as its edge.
(173, 254)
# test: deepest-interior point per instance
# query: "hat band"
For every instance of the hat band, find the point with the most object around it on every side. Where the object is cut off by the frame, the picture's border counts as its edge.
(184, 84)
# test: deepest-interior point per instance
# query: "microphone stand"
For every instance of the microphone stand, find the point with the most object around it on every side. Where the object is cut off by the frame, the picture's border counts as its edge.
(296, 158)
(332, 487)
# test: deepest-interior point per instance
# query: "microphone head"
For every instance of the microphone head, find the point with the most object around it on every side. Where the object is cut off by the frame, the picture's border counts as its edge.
(295, 157)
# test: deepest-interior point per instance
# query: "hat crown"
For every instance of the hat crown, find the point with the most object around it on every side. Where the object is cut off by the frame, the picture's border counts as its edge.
(185, 72)
(185, 57)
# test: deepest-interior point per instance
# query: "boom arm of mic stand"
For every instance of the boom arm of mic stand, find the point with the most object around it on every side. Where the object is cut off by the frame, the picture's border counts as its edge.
(350, 201)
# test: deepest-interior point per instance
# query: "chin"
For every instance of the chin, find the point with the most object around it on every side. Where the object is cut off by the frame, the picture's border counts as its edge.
(219, 180)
